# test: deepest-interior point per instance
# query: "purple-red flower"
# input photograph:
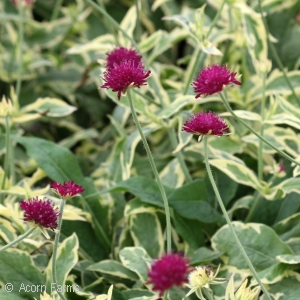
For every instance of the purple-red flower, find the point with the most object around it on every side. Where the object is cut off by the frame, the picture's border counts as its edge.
(212, 79)
(125, 75)
(205, 123)
(120, 54)
(41, 212)
(171, 270)
(66, 190)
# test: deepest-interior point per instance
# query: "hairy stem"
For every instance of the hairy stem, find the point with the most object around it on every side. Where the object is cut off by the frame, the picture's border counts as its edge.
(55, 247)
(234, 235)
(154, 169)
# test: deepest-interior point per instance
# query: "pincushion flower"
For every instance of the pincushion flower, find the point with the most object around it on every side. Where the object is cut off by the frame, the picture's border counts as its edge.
(66, 190)
(42, 213)
(125, 75)
(205, 123)
(212, 79)
(120, 54)
(202, 277)
(171, 270)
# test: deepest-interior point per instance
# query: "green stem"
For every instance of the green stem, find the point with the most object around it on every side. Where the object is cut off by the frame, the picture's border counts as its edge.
(198, 50)
(226, 104)
(56, 9)
(7, 153)
(138, 25)
(235, 237)
(208, 294)
(113, 22)
(156, 175)
(179, 156)
(21, 37)
(55, 247)
(20, 238)
(275, 54)
(262, 113)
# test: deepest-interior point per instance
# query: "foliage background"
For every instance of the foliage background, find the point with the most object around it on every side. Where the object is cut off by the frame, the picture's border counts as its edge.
(64, 127)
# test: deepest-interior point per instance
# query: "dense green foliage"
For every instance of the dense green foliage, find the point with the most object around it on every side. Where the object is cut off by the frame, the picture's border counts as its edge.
(62, 127)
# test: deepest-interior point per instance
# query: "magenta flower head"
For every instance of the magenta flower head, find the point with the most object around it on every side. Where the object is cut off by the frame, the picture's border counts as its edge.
(120, 54)
(40, 212)
(211, 80)
(171, 270)
(125, 75)
(66, 190)
(205, 123)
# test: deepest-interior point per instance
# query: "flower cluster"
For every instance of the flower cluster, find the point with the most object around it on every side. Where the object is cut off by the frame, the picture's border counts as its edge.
(40, 212)
(171, 270)
(66, 190)
(205, 123)
(212, 79)
(124, 70)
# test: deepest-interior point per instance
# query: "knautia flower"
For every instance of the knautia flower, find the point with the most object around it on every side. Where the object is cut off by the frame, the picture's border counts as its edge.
(120, 54)
(40, 212)
(243, 292)
(168, 271)
(202, 277)
(125, 75)
(212, 79)
(205, 123)
(66, 190)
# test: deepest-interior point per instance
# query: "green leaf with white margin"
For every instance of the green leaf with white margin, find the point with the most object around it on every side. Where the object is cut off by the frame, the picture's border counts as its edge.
(137, 260)
(287, 186)
(149, 42)
(113, 268)
(67, 257)
(276, 84)
(204, 255)
(288, 107)
(237, 172)
(289, 259)
(286, 289)
(176, 106)
(128, 24)
(288, 228)
(261, 244)
(50, 107)
(244, 114)
(172, 174)
(145, 225)
(286, 119)
(129, 147)
(17, 267)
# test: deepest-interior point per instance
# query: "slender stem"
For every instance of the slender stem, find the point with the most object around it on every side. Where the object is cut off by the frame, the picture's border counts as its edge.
(235, 237)
(198, 49)
(56, 9)
(21, 37)
(7, 153)
(113, 22)
(179, 156)
(275, 54)
(55, 247)
(226, 104)
(20, 238)
(262, 114)
(138, 25)
(208, 294)
(156, 175)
